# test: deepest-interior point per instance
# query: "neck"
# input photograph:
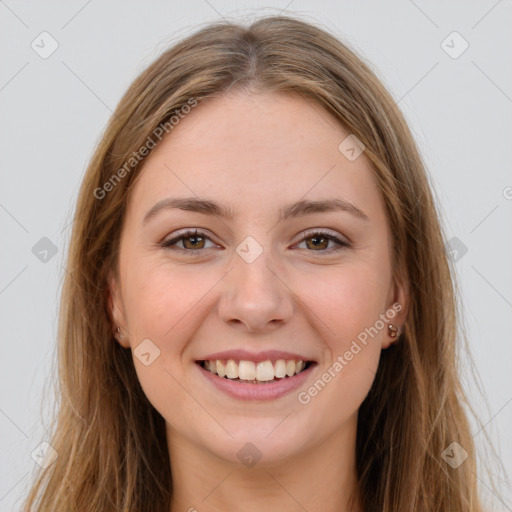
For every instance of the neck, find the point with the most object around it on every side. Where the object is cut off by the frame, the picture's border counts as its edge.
(320, 479)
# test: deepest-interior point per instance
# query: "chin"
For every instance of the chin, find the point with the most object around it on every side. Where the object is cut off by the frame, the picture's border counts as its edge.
(260, 443)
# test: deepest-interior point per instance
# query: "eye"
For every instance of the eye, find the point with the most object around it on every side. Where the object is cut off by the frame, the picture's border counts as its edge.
(320, 240)
(193, 241)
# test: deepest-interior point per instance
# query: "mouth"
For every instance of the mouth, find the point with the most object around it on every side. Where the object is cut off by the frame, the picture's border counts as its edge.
(256, 372)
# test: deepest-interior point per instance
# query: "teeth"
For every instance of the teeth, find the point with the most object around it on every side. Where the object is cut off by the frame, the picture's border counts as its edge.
(280, 368)
(231, 369)
(263, 371)
(246, 370)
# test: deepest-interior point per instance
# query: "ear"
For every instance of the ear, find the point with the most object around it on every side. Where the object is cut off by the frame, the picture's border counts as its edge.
(116, 309)
(398, 305)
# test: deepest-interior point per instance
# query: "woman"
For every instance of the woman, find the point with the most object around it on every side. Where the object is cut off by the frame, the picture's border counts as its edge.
(258, 312)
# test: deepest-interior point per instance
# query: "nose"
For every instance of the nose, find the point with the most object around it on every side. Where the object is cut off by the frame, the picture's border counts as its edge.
(256, 296)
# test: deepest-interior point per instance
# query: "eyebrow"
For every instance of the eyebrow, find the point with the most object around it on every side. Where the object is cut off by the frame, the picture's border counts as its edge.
(210, 207)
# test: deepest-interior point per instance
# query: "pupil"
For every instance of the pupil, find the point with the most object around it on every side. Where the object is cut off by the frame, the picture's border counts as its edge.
(194, 238)
(315, 240)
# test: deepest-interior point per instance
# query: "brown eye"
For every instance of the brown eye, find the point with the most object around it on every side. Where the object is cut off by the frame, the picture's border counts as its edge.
(319, 242)
(197, 242)
(192, 241)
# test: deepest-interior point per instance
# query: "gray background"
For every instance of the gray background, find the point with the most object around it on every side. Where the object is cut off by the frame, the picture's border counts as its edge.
(54, 109)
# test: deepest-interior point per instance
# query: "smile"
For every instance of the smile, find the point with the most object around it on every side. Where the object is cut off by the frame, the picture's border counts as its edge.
(250, 380)
(255, 372)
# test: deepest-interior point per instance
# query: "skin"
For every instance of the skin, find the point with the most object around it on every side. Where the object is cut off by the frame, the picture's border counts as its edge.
(256, 152)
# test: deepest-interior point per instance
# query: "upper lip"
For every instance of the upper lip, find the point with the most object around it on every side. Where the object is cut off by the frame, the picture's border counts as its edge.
(244, 355)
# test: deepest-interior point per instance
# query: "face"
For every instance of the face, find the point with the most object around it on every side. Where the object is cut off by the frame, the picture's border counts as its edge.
(267, 283)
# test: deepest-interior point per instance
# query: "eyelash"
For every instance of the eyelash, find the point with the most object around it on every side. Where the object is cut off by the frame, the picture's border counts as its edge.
(191, 233)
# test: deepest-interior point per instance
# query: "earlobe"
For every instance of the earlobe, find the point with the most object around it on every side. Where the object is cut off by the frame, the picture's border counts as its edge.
(401, 296)
(116, 311)
(398, 309)
(403, 300)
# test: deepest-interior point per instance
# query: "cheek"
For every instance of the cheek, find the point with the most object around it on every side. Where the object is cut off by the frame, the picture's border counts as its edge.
(346, 309)
(347, 300)
(161, 298)
(162, 304)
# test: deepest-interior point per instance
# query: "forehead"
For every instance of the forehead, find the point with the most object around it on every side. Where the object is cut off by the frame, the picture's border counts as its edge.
(255, 151)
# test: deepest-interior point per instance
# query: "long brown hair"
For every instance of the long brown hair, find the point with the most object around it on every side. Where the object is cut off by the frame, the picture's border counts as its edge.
(110, 441)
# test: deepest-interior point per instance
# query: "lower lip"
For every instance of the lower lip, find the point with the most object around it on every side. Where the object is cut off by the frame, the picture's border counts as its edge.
(245, 391)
